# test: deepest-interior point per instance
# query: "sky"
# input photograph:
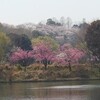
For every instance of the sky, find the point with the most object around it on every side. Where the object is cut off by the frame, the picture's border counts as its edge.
(25, 11)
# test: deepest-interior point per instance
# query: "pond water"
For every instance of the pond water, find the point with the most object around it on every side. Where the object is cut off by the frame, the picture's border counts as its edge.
(68, 90)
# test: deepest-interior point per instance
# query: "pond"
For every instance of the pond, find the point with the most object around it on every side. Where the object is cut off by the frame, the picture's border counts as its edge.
(67, 90)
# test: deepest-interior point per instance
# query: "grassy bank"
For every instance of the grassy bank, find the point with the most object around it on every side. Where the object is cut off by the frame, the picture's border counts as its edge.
(37, 72)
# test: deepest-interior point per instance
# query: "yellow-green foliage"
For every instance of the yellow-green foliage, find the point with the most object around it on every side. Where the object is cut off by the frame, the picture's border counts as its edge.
(4, 41)
(47, 40)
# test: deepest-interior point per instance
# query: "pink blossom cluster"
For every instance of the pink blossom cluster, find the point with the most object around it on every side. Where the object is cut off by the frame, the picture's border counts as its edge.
(20, 55)
(42, 52)
(67, 54)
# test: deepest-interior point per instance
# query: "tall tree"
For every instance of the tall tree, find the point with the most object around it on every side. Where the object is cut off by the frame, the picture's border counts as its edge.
(50, 22)
(93, 38)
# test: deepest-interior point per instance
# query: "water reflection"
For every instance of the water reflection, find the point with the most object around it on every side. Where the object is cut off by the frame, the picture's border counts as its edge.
(51, 91)
(62, 94)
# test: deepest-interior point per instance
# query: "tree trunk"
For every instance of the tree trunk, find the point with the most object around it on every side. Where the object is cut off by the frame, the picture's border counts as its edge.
(70, 69)
(45, 62)
(45, 66)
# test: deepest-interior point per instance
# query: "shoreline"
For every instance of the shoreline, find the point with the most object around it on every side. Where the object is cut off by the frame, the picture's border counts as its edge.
(56, 80)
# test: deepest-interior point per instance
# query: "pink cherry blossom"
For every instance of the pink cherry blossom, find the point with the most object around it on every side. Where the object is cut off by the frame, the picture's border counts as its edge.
(68, 55)
(21, 56)
(43, 53)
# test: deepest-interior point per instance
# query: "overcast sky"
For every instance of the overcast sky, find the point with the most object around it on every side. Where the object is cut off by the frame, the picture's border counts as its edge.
(23, 11)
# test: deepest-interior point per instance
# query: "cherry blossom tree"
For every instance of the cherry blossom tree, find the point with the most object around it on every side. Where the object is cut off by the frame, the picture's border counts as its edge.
(68, 56)
(22, 57)
(44, 54)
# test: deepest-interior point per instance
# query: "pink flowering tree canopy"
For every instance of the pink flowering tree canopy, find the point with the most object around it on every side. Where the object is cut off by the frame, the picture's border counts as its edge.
(22, 57)
(68, 56)
(44, 54)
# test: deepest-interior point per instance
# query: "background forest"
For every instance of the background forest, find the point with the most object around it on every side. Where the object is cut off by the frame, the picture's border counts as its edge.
(56, 49)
